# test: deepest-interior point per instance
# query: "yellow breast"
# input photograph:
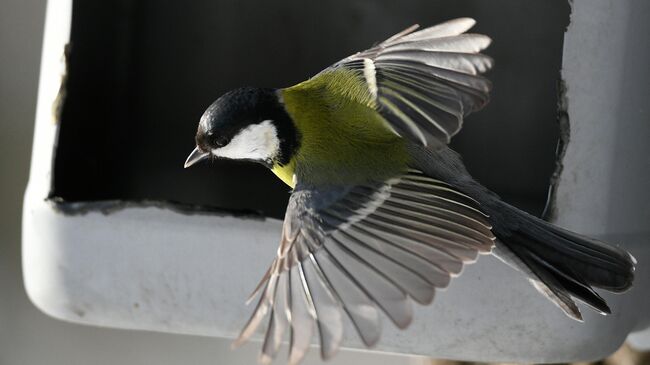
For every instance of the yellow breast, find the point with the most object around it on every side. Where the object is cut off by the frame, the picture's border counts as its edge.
(285, 172)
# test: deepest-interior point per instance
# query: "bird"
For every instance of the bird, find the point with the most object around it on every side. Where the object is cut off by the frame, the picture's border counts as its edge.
(382, 212)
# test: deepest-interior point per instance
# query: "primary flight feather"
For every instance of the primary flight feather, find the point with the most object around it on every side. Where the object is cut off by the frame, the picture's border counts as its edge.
(382, 212)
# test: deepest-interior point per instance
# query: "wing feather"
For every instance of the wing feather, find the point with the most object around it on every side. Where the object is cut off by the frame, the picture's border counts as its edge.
(389, 297)
(302, 319)
(463, 43)
(329, 317)
(446, 29)
(404, 277)
(422, 83)
(357, 251)
(354, 300)
(467, 63)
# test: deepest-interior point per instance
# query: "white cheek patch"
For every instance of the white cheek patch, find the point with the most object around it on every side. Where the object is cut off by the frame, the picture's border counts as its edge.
(255, 142)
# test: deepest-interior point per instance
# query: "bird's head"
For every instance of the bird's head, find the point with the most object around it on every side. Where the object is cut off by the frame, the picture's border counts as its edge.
(248, 124)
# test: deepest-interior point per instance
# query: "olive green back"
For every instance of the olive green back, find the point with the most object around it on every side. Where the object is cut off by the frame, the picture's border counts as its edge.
(343, 138)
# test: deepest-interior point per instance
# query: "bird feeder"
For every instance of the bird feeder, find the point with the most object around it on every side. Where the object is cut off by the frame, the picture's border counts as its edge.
(101, 247)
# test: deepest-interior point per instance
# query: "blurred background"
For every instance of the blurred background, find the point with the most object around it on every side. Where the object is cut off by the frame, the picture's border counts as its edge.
(143, 71)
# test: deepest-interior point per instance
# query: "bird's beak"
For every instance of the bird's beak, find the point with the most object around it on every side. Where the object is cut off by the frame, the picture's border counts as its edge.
(195, 157)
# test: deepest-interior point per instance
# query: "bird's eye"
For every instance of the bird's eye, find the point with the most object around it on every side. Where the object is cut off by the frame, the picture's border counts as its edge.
(218, 140)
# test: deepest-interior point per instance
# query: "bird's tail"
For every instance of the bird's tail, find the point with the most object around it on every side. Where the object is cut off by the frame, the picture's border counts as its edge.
(562, 265)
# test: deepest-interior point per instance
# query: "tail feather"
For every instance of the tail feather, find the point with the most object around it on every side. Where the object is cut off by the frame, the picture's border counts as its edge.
(563, 264)
(541, 279)
(599, 264)
(560, 276)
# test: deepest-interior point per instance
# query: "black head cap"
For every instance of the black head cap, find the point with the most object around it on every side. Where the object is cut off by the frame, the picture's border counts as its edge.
(240, 108)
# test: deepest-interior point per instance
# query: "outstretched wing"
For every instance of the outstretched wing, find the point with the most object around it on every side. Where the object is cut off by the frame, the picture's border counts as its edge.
(422, 83)
(361, 250)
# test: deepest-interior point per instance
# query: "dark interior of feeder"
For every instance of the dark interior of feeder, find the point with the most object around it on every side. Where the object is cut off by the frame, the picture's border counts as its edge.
(140, 74)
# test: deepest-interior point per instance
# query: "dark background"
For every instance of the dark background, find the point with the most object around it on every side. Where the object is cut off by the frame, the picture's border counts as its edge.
(142, 72)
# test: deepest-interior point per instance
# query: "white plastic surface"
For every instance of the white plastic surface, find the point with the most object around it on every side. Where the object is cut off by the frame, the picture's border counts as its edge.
(604, 186)
(156, 269)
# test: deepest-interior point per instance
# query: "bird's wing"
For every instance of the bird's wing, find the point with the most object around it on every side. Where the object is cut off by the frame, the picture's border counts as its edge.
(359, 250)
(423, 83)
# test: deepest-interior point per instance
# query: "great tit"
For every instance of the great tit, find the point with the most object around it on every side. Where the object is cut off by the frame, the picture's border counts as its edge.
(382, 212)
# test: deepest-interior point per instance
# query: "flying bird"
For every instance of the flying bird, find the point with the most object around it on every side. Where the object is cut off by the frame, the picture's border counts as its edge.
(383, 213)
